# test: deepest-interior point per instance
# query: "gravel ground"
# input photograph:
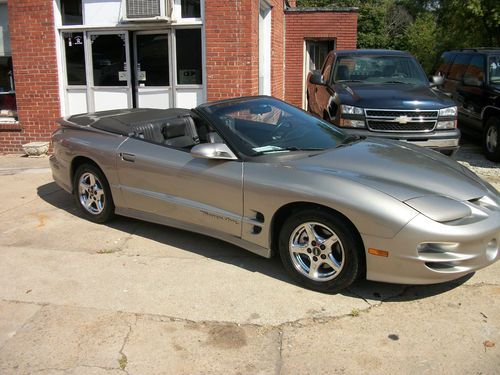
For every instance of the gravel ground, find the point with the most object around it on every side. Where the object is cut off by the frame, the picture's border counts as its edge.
(471, 155)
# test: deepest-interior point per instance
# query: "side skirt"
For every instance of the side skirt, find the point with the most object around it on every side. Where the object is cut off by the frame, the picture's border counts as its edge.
(157, 219)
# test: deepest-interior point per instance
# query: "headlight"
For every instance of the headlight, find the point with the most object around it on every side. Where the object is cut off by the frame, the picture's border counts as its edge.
(351, 110)
(448, 112)
(452, 124)
(352, 123)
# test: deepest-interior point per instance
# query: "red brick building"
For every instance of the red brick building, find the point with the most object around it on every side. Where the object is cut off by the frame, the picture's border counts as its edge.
(61, 57)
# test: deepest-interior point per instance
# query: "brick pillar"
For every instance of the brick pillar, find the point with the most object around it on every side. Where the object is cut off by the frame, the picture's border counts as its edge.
(232, 53)
(32, 33)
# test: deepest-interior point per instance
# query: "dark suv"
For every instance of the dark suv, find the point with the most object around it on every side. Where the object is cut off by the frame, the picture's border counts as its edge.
(472, 79)
(385, 94)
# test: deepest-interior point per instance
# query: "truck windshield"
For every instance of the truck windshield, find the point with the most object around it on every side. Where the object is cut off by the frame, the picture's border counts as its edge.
(378, 69)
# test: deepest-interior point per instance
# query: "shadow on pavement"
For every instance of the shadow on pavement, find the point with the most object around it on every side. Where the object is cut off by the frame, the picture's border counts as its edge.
(224, 252)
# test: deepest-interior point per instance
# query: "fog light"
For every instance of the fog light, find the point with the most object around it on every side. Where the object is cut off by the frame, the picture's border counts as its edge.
(452, 124)
(352, 123)
(492, 250)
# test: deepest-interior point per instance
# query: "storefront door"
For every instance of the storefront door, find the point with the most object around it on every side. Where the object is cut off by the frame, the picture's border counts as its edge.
(110, 86)
(153, 87)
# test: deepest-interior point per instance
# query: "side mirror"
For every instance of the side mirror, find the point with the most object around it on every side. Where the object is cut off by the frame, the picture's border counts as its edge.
(218, 151)
(437, 81)
(317, 78)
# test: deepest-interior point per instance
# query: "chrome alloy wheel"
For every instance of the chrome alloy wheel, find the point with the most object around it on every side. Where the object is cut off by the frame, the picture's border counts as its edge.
(91, 193)
(316, 251)
(492, 139)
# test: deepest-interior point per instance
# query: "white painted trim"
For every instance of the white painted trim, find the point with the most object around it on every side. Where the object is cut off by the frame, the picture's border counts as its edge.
(59, 58)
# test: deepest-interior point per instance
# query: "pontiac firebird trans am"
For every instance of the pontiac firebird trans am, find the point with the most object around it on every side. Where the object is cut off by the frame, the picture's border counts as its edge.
(270, 178)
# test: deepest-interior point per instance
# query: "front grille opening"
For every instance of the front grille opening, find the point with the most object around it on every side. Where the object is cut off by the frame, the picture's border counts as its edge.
(391, 113)
(441, 266)
(394, 126)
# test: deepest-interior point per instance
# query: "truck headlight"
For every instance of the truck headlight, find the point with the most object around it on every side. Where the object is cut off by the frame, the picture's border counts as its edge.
(448, 112)
(351, 110)
(450, 124)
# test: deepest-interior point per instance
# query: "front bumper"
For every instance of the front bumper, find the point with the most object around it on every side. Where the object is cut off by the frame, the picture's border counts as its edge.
(427, 252)
(445, 141)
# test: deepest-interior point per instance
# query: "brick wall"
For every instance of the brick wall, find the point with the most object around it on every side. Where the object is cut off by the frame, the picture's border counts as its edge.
(232, 48)
(32, 34)
(341, 26)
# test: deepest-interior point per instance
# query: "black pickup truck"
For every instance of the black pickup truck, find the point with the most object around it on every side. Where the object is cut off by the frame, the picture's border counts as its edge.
(383, 93)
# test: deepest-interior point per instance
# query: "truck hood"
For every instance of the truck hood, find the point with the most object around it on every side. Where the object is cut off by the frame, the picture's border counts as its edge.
(392, 96)
(400, 170)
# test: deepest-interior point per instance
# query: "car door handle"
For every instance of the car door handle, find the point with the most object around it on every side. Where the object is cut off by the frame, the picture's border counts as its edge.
(127, 157)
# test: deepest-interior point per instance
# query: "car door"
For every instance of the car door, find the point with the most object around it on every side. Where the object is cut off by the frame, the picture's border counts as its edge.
(159, 182)
(472, 92)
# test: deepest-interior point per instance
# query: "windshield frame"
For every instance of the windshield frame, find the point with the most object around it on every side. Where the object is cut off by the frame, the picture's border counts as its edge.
(420, 71)
(239, 147)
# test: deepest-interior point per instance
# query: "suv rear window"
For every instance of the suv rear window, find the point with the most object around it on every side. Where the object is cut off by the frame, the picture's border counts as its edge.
(459, 66)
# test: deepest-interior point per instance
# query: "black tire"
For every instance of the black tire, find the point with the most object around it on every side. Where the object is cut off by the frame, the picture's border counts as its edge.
(491, 146)
(353, 259)
(102, 208)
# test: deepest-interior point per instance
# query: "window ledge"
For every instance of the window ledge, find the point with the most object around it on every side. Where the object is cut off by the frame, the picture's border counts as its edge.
(7, 124)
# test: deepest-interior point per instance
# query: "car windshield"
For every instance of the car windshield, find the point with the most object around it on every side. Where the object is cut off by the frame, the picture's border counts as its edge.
(494, 65)
(264, 125)
(379, 69)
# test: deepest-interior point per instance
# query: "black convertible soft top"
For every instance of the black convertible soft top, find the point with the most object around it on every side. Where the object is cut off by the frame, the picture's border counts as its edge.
(126, 121)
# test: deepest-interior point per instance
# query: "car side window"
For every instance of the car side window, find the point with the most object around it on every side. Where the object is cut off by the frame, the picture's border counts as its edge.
(444, 64)
(327, 68)
(474, 75)
(459, 66)
(494, 69)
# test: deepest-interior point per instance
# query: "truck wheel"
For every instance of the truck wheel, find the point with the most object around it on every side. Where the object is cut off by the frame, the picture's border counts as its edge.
(491, 139)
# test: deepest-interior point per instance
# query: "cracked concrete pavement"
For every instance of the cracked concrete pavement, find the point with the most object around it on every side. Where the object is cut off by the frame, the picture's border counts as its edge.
(139, 298)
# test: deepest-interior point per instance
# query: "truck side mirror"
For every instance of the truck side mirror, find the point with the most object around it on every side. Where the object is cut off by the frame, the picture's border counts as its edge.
(437, 81)
(317, 78)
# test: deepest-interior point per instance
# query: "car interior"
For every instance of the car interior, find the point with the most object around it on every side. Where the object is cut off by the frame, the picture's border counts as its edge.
(181, 132)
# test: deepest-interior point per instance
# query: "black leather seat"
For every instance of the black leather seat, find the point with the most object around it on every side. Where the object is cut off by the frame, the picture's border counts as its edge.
(149, 131)
(180, 132)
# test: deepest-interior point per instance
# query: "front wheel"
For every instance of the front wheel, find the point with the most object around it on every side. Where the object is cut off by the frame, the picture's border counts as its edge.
(320, 250)
(92, 194)
(491, 139)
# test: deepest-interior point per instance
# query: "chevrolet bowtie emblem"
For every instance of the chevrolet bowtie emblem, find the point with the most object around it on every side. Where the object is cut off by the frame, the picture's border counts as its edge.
(403, 119)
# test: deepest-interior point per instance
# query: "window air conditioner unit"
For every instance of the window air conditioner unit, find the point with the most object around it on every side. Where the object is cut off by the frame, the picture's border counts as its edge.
(146, 10)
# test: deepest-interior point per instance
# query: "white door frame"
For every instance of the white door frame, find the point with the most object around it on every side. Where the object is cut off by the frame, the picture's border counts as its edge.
(170, 63)
(90, 73)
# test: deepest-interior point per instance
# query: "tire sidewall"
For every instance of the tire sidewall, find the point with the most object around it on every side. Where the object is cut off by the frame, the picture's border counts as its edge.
(352, 250)
(492, 122)
(109, 207)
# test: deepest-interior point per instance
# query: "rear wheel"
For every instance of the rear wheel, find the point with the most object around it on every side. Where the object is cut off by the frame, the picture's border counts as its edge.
(491, 139)
(92, 194)
(320, 250)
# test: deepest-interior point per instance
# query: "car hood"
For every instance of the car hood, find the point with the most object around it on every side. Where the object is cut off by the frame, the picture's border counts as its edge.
(400, 170)
(392, 96)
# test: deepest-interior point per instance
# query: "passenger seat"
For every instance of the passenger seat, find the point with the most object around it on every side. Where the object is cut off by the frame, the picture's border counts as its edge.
(180, 132)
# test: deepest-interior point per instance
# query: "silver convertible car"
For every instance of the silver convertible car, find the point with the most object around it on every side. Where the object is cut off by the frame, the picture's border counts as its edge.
(272, 179)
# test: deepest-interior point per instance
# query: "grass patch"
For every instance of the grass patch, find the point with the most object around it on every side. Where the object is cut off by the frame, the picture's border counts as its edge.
(122, 362)
(354, 312)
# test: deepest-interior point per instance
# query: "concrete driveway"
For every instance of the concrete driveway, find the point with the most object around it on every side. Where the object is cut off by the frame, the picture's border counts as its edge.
(138, 298)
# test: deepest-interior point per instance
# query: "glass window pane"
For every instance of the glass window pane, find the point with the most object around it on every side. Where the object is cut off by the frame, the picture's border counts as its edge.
(494, 67)
(188, 49)
(71, 12)
(4, 31)
(152, 60)
(190, 9)
(459, 65)
(75, 58)
(7, 95)
(475, 70)
(109, 60)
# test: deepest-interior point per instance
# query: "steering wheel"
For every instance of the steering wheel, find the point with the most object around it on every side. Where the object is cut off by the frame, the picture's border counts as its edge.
(399, 75)
(282, 127)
